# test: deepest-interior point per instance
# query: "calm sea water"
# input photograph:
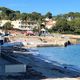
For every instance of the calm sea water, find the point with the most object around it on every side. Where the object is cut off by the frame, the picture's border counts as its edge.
(65, 55)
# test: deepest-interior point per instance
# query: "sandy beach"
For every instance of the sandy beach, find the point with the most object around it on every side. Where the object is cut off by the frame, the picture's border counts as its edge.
(40, 41)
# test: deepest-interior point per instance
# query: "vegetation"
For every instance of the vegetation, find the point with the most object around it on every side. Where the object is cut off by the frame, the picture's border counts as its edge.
(49, 15)
(7, 26)
(66, 23)
(6, 13)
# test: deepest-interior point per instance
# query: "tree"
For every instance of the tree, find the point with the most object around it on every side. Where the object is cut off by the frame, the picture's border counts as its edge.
(72, 25)
(48, 15)
(59, 17)
(61, 26)
(6, 12)
(12, 16)
(18, 15)
(23, 16)
(7, 26)
(77, 25)
(36, 16)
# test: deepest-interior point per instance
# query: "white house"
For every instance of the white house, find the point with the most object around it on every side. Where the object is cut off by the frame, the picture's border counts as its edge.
(50, 24)
(2, 22)
(20, 24)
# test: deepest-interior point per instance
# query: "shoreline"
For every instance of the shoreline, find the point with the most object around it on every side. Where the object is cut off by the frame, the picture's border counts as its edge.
(45, 67)
(42, 46)
(41, 41)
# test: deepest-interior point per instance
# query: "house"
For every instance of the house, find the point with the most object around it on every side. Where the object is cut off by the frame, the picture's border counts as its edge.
(49, 23)
(20, 24)
(2, 22)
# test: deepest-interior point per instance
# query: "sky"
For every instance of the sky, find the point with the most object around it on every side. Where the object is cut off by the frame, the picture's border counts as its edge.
(43, 6)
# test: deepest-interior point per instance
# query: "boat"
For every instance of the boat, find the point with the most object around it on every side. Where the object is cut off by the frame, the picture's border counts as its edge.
(25, 51)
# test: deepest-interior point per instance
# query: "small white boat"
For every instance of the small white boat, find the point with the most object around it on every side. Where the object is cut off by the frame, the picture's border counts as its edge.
(25, 51)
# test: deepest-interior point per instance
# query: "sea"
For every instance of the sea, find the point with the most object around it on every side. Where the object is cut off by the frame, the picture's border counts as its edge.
(69, 55)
